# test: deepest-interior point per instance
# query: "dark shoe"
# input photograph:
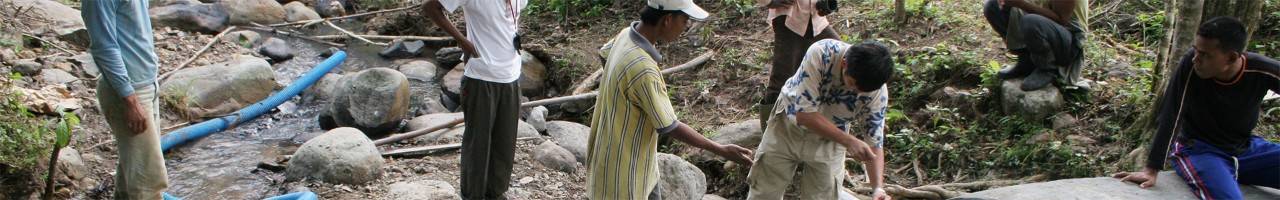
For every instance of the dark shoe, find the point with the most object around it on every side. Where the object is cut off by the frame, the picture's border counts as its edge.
(1038, 79)
(1019, 70)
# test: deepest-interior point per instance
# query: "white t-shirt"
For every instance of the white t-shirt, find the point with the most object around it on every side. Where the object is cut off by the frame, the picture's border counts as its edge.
(491, 26)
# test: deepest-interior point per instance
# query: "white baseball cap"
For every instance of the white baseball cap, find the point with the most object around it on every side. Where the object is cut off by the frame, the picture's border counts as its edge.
(685, 6)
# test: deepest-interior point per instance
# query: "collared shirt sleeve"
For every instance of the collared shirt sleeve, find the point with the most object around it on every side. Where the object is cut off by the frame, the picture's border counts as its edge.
(453, 5)
(100, 21)
(649, 93)
(803, 88)
(874, 124)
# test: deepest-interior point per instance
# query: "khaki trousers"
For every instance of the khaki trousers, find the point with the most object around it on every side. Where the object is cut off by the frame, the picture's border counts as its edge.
(785, 148)
(140, 171)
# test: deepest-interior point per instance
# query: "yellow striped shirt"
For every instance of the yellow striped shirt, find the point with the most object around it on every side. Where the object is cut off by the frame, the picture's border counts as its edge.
(632, 109)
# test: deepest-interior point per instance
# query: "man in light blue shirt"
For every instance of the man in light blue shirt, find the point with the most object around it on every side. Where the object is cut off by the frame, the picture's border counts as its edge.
(123, 49)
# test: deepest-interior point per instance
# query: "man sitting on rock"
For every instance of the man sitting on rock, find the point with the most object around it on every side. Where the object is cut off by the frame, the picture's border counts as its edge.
(633, 107)
(838, 91)
(124, 49)
(1046, 35)
(1213, 114)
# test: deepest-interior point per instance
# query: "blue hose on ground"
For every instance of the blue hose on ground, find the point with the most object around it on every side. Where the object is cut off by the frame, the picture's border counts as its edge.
(304, 195)
(196, 131)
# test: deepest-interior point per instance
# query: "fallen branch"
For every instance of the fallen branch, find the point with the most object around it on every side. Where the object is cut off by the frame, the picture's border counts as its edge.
(588, 84)
(56, 46)
(198, 53)
(701, 59)
(429, 150)
(294, 34)
(347, 16)
(416, 133)
(428, 39)
(398, 137)
(349, 33)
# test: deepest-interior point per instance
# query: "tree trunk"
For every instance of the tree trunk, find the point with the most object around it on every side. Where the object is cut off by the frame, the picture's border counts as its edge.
(1248, 11)
(900, 12)
(1184, 18)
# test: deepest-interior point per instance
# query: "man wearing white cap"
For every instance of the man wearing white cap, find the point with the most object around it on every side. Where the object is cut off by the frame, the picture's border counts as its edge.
(633, 108)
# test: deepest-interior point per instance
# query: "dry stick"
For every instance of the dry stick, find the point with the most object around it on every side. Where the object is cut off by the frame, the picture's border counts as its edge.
(348, 16)
(591, 81)
(294, 34)
(416, 133)
(586, 85)
(397, 137)
(433, 149)
(344, 31)
(198, 53)
(56, 46)
(393, 37)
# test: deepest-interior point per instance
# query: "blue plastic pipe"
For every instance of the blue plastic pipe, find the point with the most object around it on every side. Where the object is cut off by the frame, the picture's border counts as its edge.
(197, 131)
(304, 195)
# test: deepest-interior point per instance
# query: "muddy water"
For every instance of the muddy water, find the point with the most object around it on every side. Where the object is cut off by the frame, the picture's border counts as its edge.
(224, 165)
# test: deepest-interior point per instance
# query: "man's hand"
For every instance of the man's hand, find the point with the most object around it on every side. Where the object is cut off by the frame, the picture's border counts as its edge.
(134, 115)
(735, 153)
(859, 150)
(468, 49)
(780, 3)
(880, 194)
(1145, 179)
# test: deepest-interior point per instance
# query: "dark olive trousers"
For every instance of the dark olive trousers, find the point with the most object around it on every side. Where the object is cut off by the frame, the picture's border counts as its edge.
(491, 112)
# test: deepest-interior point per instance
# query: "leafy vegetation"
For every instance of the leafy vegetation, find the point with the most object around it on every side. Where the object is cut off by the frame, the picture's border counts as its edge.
(23, 137)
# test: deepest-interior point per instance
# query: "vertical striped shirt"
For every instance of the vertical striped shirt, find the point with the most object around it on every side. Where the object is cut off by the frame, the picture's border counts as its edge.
(632, 109)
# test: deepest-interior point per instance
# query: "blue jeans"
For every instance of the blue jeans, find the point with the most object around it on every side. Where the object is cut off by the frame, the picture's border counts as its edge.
(1214, 174)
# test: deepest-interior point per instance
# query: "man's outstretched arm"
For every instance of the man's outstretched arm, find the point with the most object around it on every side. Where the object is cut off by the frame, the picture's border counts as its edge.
(687, 135)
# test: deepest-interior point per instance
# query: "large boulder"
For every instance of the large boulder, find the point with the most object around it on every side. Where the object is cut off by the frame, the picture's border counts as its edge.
(340, 156)
(449, 56)
(191, 15)
(571, 136)
(85, 64)
(679, 178)
(433, 120)
(72, 169)
(423, 87)
(276, 49)
(244, 38)
(745, 133)
(245, 12)
(453, 79)
(27, 67)
(220, 88)
(523, 129)
(297, 11)
(323, 88)
(1169, 186)
(59, 20)
(537, 118)
(374, 100)
(403, 49)
(334, 8)
(533, 75)
(56, 76)
(425, 189)
(1038, 104)
(555, 157)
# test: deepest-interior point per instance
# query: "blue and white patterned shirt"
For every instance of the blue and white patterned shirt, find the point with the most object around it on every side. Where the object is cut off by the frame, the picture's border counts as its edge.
(818, 86)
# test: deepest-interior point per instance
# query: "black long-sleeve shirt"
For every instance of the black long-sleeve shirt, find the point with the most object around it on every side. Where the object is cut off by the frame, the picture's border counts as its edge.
(1221, 114)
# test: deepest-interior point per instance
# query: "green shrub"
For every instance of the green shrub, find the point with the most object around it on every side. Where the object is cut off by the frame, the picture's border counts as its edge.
(23, 137)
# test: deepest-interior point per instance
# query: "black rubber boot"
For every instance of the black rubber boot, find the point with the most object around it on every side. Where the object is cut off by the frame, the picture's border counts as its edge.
(1038, 79)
